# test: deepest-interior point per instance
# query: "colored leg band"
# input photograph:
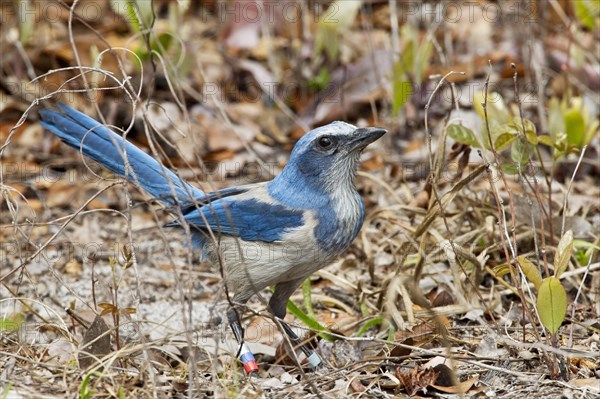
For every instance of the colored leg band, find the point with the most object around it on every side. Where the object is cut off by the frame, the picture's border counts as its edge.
(248, 360)
(314, 360)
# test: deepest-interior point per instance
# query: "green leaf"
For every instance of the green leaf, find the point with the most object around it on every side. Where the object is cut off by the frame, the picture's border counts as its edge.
(560, 146)
(401, 84)
(138, 14)
(504, 140)
(563, 253)
(326, 38)
(85, 391)
(501, 270)
(531, 271)
(574, 127)
(132, 17)
(307, 298)
(530, 131)
(546, 140)
(478, 104)
(496, 130)
(556, 122)
(342, 13)
(509, 168)
(339, 16)
(125, 8)
(162, 43)
(12, 322)
(309, 322)
(592, 130)
(463, 135)
(496, 108)
(409, 50)
(518, 152)
(585, 244)
(27, 21)
(551, 303)
(402, 89)
(423, 56)
(517, 126)
(584, 251)
(391, 332)
(320, 81)
(371, 323)
(587, 12)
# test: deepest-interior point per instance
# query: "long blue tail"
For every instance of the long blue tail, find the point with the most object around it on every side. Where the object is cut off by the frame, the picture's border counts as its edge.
(108, 148)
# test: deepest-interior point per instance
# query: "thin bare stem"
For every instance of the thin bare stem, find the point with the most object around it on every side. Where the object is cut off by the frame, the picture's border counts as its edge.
(566, 201)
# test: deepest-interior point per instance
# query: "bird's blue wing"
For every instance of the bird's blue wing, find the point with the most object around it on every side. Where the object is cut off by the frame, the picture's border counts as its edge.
(215, 195)
(103, 145)
(247, 217)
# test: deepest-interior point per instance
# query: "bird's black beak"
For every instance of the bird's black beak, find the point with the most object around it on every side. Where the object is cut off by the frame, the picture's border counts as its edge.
(364, 136)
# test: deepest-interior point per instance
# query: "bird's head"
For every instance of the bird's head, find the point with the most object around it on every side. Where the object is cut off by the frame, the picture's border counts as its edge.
(328, 157)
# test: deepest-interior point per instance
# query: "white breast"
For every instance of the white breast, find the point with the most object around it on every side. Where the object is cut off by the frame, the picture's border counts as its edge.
(251, 266)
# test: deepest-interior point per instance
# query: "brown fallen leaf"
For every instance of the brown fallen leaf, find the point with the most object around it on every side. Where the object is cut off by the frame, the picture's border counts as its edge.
(61, 350)
(62, 50)
(422, 332)
(445, 376)
(440, 377)
(593, 384)
(357, 386)
(421, 200)
(399, 352)
(442, 298)
(6, 126)
(243, 33)
(462, 387)
(95, 344)
(262, 330)
(374, 163)
(416, 380)
(354, 86)
(587, 363)
(478, 67)
(73, 268)
(61, 193)
(181, 141)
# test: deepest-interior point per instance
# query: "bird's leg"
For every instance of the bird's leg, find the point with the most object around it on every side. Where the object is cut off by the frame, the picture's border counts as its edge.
(277, 306)
(234, 322)
(244, 352)
(312, 356)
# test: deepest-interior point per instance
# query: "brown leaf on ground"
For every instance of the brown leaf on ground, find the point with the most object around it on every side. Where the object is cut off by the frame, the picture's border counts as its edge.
(440, 377)
(73, 268)
(357, 386)
(353, 86)
(462, 387)
(243, 33)
(95, 344)
(183, 142)
(417, 379)
(424, 331)
(400, 351)
(593, 384)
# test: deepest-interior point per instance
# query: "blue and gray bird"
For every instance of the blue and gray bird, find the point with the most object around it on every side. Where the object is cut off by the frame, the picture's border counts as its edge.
(275, 233)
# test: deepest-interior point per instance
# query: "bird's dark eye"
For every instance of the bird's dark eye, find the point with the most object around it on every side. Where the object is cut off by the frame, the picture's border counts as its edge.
(325, 142)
